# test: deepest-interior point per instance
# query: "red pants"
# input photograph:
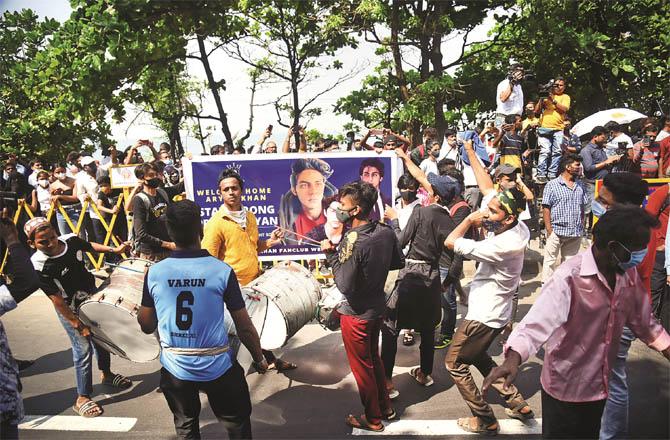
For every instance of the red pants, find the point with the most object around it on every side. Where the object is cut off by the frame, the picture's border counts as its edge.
(361, 342)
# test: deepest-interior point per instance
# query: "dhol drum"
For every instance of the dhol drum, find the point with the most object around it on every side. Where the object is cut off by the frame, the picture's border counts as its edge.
(112, 313)
(257, 306)
(292, 294)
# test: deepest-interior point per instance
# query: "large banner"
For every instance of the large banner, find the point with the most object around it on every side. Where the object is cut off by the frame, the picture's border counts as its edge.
(292, 191)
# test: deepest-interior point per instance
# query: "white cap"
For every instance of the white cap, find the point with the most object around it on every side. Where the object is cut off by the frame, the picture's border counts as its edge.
(86, 160)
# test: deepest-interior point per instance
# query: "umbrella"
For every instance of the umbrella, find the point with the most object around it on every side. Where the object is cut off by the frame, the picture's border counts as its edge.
(618, 115)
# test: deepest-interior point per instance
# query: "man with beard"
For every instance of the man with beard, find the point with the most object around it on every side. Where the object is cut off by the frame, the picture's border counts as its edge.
(500, 257)
(360, 266)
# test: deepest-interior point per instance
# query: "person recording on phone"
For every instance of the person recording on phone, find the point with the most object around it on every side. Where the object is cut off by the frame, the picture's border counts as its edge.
(509, 95)
(290, 135)
(554, 108)
(261, 146)
(133, 154)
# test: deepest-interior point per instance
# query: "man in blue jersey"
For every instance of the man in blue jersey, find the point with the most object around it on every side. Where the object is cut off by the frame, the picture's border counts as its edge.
(185, 297)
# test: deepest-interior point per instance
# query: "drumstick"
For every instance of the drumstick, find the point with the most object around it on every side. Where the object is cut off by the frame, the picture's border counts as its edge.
(125, 268)
(300, 236)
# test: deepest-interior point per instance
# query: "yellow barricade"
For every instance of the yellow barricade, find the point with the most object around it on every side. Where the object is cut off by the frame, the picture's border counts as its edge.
(97, 263)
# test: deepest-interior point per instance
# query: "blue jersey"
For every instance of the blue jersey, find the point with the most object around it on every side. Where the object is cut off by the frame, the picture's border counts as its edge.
(190, 291)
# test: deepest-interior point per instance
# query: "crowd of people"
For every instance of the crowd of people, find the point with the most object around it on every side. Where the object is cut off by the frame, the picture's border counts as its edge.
(471, 197)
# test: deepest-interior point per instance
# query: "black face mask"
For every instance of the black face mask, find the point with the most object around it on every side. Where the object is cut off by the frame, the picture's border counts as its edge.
(153, 183)
(408, 196)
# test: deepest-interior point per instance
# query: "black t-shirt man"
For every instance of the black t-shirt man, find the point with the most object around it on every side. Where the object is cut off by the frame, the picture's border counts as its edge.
(65, 273)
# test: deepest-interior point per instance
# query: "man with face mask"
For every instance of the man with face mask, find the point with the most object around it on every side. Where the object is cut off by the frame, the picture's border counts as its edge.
(579, 318)
(86, 188)
(429, 165)
(152, 239)
(492, 289)
(563, 202)
(360, 266)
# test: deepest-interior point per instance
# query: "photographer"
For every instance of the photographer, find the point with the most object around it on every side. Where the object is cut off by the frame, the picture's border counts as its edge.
(617, 139)
(648, 150)
(550, 133)
(509, 95)
(270, 147)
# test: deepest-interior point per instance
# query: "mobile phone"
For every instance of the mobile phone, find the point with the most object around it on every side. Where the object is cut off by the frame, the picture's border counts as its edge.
(269, 128)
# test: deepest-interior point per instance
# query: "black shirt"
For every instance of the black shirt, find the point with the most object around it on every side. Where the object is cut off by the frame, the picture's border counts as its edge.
(426, 229)
(149, 224)
(65, 273)
(361, 265)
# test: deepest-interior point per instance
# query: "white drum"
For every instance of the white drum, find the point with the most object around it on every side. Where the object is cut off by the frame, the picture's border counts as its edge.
(112, 313)
(326, 310)
(292, 294)
(257, 306)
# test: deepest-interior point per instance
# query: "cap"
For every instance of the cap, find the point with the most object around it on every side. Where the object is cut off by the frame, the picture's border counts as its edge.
(445, 186)
(86, 160)
(33, 224)
(510, 203)
(506, 169)
(390, 138)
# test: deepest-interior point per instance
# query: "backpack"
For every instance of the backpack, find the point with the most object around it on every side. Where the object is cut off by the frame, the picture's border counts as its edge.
(456, 207)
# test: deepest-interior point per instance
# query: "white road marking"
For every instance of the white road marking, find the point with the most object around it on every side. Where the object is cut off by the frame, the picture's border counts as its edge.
(78, 423)
(450, 427)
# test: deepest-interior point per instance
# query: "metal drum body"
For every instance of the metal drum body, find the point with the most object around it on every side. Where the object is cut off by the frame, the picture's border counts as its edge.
(293, 294)
(326, 312)
(112, 313)
(256, 306)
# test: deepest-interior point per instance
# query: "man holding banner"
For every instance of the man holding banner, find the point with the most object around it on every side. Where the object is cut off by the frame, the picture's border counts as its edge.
(231, 235)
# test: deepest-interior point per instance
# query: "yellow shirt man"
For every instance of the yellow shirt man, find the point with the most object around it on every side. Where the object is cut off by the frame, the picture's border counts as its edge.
(226, 240)
(551, 118)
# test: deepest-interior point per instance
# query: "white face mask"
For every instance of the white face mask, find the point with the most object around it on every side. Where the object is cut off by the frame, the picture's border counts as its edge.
(43, 183)
(60, 176)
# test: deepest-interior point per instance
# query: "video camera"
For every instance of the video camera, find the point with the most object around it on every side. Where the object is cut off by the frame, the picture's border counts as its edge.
(544, 90)
(528, 75)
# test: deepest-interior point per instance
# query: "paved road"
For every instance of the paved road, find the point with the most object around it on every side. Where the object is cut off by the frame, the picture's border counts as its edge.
(310, 402)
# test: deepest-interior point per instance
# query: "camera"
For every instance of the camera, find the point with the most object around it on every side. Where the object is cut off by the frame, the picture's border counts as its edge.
(621, 148)
(513, 69)
(546, 89)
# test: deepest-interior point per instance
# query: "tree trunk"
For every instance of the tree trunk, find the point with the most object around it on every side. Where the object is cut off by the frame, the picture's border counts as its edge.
(254, 85)
(438, 70)
(223, 118)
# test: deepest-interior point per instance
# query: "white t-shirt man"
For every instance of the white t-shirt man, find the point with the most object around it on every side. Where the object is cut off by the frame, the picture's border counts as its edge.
(498, 275)
(514, 104)
(429, 166)
(612, 145)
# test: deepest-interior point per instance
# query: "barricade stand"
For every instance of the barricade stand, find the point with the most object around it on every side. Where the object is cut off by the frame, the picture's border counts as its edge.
(21, 206)
(109, 228)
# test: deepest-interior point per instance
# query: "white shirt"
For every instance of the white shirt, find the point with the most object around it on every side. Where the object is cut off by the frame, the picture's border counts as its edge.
(498, 275)
(514, 104)
(612, 145)
(43, 198)
(32, 179)
(404, 212)
(85, 184)
(447, 152)
(429, 166)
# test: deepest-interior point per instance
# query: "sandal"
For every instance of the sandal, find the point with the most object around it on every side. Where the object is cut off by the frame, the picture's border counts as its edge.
(516, 413)
(393, 393)
(88, 410)
(282, 366)
(118, 381)
(414, 372)
(481, 428)
(408, 339)
(362, 423)
(390, 416)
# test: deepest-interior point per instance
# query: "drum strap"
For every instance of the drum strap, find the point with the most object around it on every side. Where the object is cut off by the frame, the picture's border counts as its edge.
(208, 351)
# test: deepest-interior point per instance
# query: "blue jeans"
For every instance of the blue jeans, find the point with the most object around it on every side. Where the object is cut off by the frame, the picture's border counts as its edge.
(614, 422)
(448, 301)
(72, 212)
(82, 348)
(549, 142)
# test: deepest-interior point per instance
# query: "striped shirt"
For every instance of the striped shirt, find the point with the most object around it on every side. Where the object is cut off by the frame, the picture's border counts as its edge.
(566, 206)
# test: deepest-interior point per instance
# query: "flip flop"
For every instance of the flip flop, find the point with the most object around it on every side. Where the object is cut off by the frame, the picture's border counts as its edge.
(118, 381)
(414, 372)
(85, 409)
(362, 423)
(515, 412)
(393, 393)
(390, 416)
(464, 424)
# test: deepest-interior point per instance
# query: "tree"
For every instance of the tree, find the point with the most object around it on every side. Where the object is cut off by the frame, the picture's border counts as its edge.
(292, 41)
(612, 53)
(415, 28)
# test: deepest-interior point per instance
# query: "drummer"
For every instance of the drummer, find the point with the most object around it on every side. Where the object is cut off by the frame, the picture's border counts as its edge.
(195, 352)
(231, 235)
(64, 278)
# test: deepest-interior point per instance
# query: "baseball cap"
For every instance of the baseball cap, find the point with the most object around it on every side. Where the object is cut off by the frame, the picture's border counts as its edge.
(445, 186)
(34, 224)
(506, 169)
(86, 160)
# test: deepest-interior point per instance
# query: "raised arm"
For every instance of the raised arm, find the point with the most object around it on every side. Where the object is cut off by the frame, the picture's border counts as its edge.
(481, 176)
(414, 170)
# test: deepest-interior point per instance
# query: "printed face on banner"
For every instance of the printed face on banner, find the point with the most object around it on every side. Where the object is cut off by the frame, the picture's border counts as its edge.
(298, 193)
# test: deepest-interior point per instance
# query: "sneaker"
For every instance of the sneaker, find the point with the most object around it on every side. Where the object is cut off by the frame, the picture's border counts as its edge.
(443, 342)
(541, 179)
